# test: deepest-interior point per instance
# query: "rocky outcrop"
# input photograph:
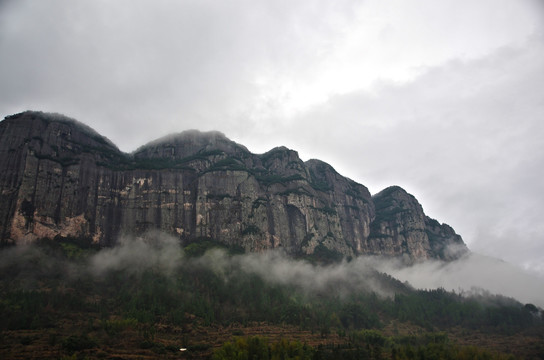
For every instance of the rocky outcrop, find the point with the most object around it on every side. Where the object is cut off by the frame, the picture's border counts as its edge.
(59, 177)
(401, 227)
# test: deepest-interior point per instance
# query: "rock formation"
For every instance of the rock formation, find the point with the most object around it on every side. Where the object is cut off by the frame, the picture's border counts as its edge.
(401, 227)
(58, 177)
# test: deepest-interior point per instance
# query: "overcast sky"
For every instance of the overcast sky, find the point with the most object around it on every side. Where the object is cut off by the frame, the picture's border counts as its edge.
(444, 98)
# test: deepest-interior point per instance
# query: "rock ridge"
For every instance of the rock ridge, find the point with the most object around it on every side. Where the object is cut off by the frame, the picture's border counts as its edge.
(59, 177)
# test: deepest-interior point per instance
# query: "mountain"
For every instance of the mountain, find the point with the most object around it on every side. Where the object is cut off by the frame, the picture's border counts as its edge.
(59, 177)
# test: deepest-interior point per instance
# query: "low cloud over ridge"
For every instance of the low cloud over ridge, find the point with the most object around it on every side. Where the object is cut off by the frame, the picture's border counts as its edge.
(470, 274)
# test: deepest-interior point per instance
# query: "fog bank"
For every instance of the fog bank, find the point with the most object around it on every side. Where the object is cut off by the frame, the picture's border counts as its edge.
(469, 274)
(24, 266)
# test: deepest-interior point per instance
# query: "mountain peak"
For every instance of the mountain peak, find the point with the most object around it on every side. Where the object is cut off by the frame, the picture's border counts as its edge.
(38, 123)
(61, 178)
(193, 135)
(189, 143)
(400, 219)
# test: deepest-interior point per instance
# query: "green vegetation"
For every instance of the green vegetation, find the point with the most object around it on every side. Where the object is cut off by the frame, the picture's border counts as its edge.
(270, 179)
(440, 309)
(320, 186)
(121, 161)
(251, 229)
(63, 161)
(355, 192)
(364, 344)
(228, 163)
(200, 245)
(156, 164)
(324, 255)
(273, 154)
(260, 201)
(55, 285)
(387, 210)
(260, 348)
(307, 238)
(217, 197)
(318, 178)
(75, 343)
(72, 248)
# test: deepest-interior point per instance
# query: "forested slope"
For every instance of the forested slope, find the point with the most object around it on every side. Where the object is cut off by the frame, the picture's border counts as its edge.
(61, 298)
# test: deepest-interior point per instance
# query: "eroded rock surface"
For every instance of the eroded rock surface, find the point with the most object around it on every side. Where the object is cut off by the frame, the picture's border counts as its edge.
(59, 177)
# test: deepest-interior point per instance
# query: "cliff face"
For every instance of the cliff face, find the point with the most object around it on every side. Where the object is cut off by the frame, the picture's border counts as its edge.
(59, 177)
(401, 227)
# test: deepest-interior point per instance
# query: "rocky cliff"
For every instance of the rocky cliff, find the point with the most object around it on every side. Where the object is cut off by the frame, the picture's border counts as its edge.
(60, 178)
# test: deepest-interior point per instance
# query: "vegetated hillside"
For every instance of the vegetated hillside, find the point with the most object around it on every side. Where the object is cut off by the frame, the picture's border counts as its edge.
(60, 178)
(147, 298)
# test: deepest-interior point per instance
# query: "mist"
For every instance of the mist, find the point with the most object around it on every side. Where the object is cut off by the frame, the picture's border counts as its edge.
(154, 250)
(279, 268)
(470, 275)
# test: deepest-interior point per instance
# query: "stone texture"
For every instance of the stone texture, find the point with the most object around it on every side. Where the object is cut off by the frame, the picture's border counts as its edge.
(59, 177)
(401, 227)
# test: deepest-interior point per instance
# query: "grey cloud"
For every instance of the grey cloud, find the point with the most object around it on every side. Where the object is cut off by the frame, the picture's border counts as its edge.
(126, 64)
(465, 136)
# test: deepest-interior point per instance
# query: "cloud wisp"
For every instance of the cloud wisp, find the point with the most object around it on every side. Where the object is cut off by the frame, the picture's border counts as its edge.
(467, 275)
(472, 274)
(158, 251)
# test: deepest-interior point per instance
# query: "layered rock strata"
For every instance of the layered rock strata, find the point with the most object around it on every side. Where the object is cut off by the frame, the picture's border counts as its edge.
(58, 177)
